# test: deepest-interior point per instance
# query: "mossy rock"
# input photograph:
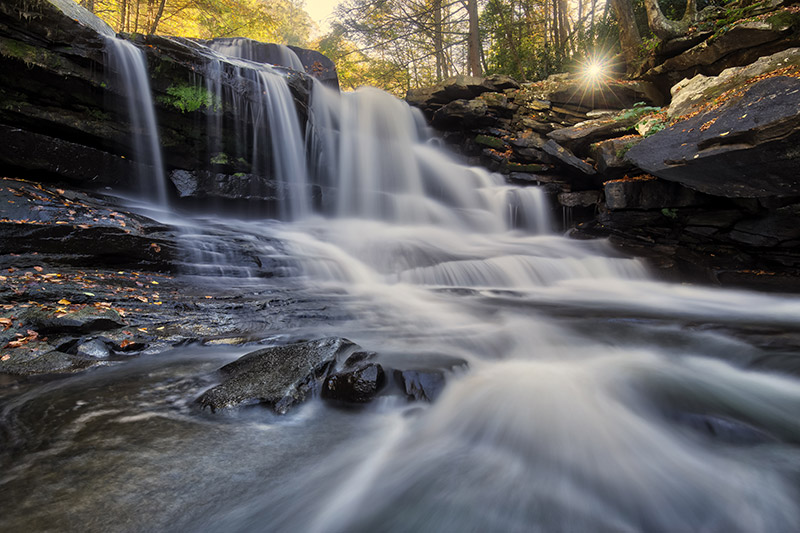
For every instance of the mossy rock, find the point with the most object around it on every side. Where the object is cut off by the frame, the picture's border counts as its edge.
(491, 142)
(518, 167)
(190, 98)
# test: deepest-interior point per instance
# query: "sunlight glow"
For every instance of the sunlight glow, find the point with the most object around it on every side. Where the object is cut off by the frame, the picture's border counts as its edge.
(594, 71)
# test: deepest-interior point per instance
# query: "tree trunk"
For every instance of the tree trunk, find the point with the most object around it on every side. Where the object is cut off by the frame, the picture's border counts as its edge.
(438, 46)
(664, 28)
(474, 44)
(629, 37)
(160, 12)
(123, 11)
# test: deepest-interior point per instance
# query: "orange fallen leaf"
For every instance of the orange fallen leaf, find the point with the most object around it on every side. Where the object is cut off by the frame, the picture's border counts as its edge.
(125, 343)
(38, 268)
(62, 301)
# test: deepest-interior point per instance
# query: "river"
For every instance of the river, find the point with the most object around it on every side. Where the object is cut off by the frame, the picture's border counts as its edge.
(596, 398)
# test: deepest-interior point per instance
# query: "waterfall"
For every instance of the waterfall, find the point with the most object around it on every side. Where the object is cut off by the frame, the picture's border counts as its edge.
(129, 67)
(592, 397)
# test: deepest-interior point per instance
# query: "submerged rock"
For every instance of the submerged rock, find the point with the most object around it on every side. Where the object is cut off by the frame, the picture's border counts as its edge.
(279, 376)
(357, 385)
(423, 383)
(84, 320)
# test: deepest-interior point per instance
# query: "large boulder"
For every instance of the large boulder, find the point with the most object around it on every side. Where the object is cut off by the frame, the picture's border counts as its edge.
(279, 376)
(747, 147)
(690, 94)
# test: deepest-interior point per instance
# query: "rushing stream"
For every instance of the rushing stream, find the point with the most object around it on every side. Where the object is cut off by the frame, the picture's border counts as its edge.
(595, 398)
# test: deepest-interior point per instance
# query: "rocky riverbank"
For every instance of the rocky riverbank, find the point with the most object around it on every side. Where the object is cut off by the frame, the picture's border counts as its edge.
(691, 165)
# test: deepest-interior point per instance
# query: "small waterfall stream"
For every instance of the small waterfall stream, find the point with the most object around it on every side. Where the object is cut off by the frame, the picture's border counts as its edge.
(595, 399)
(129, 67)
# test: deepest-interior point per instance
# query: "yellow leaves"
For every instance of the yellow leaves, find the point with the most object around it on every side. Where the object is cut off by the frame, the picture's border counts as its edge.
(154, 282)
(64, 301)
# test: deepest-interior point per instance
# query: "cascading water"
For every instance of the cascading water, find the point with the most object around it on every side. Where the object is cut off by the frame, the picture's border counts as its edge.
(129, 67)
(596, 399)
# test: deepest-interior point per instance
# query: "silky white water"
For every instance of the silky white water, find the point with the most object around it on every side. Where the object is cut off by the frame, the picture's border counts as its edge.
(595, 398)
(129, 68)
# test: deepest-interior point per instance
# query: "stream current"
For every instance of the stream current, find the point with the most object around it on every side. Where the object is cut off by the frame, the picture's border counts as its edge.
(596, 398)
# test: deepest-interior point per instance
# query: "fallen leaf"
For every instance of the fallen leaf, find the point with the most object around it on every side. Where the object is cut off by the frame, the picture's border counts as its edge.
(38, 268)
(62, 301)
(6, 322)
(125, 343)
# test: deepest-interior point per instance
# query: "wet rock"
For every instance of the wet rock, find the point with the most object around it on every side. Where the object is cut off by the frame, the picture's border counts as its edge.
(579, 199)
(581, 135)
(41, 358)
(746, 148)
(85, 320)
(775, 229)
(30, 152)
(314, 63)
(95, 348)
(609, 155)
(568, 158)
(240, 186)
(357, 385)
(491, 142)
(648, 193)
(280, 376)
(421, 385)
(499, 104)
(425, 383)
(462, 114)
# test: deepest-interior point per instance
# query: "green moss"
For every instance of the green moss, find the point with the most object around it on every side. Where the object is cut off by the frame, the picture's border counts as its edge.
(190, 98)
(670, 213)
(625, 147)
(220, 159)
(30, 55)
(784, 19)
(240, 175)
(491, 142)
(639, 110)
(517, 167)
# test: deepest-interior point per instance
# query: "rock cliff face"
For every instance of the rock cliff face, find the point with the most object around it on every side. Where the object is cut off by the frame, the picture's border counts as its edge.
(57, 96)
(706, 187)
